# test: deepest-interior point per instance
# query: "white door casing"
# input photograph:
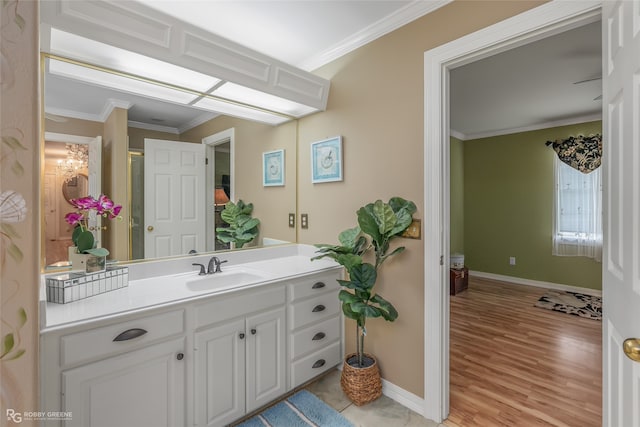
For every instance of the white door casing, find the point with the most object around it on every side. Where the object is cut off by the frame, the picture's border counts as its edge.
(174, 198)
(543, 21)
(621, 219)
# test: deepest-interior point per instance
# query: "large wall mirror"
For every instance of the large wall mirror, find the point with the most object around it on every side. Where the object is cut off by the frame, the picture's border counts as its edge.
(139, 127)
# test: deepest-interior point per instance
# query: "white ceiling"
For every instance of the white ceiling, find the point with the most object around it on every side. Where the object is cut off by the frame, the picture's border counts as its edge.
(521, 88)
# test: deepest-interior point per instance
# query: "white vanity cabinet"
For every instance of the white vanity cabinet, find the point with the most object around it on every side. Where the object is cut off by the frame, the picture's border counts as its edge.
(315, 326)
(240, 354)
(130, 373)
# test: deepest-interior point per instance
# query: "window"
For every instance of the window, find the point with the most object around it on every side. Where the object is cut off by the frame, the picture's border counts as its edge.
(577, 212)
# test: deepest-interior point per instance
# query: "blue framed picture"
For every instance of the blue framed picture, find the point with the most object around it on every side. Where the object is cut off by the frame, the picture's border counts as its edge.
(273, 168)
(326, 160)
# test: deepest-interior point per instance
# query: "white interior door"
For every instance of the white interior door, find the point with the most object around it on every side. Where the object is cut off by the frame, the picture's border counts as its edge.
(621, 260)
(174, 198)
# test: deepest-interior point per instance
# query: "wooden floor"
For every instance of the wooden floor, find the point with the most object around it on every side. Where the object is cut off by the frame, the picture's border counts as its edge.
(513, 364)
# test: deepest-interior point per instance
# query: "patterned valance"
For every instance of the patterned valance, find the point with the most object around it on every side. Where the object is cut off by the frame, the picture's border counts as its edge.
(583, 153)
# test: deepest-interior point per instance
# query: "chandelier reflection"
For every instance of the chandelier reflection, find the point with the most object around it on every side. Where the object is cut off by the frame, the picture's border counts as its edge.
(77, 161)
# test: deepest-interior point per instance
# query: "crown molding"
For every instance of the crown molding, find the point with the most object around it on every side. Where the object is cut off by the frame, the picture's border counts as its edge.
(402, 16)
(197, 121)
(110, 105)
(544, 125)
(72, 114)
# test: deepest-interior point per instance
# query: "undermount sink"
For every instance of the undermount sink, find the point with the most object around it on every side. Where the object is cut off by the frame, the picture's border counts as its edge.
(224, 280)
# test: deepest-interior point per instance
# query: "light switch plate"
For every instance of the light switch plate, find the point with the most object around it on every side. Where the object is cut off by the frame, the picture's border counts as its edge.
(413, 231)
(292, 220)
(304, 220)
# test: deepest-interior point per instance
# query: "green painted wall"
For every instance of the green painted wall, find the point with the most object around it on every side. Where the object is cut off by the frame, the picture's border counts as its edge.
(456, 210)
(508, 202)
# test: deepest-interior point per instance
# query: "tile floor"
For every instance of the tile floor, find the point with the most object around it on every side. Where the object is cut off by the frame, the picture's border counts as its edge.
(383, 412)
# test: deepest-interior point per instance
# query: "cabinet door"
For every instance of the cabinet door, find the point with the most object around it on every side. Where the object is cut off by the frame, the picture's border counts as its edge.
(142, 388)
(220, 374)
(266, 361)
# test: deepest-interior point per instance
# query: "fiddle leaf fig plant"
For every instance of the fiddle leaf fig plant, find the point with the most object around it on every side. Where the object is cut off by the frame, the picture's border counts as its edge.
(378, 224)
(242, 227)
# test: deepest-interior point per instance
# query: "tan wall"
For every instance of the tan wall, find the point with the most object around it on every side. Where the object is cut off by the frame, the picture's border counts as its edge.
(137, 136)
(115, 185)
(376, 104)
(20, 156)
(271, 204)
(73, 126)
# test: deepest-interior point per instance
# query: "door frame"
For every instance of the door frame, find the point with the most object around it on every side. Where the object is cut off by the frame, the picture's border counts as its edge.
(211, 141)
(543, 21)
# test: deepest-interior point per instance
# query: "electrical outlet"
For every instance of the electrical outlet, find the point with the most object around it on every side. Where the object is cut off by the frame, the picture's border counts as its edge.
(292, 220)
(304, 220)
(512, 260)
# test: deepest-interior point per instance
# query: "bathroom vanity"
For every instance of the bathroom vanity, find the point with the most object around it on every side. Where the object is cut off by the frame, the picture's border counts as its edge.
(174, 348)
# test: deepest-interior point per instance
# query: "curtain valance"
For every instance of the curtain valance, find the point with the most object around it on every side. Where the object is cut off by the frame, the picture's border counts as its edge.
(583, 153)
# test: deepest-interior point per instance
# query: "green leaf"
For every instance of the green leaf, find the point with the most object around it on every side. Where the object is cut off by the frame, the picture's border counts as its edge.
(348, 312)
(364, 276)
(387, 309)
(348, 237)
(348, 297)
(97, 251)
(398, 204)
(13, 143)
(384, 216)
(349, 261)
(7, 344)
(371, 311)
(22, 316)
(367, 222)
(15, 252)
(403, 222)
(85, 241)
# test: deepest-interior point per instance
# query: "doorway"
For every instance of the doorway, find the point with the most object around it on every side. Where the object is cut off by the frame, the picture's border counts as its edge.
(543, 21)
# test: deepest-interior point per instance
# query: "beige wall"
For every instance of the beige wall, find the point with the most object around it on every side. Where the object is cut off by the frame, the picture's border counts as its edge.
(376, 104)
(73, 126)
(271, 204)
(137, 136)
(20, 154)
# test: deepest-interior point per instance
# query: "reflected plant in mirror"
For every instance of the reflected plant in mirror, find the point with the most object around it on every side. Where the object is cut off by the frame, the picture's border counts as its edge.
(82, 237)
(242, 228)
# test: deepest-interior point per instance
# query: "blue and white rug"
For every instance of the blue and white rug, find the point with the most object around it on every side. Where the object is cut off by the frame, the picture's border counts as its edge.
(303, 409)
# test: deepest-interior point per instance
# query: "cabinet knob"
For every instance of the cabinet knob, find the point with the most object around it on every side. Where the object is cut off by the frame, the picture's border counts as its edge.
(180, 356)
(319, 364)
(253, 332)
(318, 308)
(241, 335)
(318, 336)
(318, 285)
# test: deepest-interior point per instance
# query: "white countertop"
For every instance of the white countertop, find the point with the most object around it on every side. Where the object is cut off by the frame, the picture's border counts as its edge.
(149, 292)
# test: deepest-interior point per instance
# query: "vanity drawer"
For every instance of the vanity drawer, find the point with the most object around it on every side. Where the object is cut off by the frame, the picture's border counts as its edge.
(119, 337)
(313, 309)
(315, 337)
(313, 285)
(225, 308)
(315, 364)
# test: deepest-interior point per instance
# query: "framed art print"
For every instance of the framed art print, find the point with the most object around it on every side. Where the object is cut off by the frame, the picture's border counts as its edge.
(273, 168)
(326, 160)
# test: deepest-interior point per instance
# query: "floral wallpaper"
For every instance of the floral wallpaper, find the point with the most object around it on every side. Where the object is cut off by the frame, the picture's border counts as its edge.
(19, 211)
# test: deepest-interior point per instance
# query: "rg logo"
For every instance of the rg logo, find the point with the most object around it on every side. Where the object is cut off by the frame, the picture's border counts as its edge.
(14, 416)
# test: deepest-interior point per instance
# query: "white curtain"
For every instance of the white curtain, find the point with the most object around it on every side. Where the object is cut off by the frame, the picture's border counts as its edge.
(577, 224)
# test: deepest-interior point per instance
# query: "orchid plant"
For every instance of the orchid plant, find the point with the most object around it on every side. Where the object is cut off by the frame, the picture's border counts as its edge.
(82, 237)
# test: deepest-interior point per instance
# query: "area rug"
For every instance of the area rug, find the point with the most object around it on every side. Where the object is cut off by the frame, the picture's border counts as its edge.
(582, 305)
(303, 409)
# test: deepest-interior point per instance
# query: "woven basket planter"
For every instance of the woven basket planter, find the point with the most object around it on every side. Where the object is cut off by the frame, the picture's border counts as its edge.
(361, 385)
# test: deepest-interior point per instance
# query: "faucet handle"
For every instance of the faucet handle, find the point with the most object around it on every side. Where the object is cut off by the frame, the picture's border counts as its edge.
(218, 265)
(202, 270)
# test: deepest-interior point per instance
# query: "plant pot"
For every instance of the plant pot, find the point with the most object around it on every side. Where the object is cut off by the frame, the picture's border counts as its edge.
(86, 263)
(361, 385)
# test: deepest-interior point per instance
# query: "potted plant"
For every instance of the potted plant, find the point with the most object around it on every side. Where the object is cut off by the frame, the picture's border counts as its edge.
(378, 224)
(84, 243)
(242, 227)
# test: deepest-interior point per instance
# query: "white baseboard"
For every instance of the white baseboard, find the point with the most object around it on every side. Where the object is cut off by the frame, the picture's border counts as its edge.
(403, 397)
(540, 284)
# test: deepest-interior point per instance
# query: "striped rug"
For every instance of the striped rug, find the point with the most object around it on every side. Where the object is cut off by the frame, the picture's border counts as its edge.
(303, 409)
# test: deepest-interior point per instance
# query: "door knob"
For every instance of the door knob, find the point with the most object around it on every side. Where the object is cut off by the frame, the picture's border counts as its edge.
(150, 228)
(631, 347)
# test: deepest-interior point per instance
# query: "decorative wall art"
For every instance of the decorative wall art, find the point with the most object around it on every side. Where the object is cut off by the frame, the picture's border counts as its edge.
(273, 168)
(326, 160)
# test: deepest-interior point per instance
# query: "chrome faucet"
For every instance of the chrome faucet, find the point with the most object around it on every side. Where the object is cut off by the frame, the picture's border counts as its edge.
(214, 265)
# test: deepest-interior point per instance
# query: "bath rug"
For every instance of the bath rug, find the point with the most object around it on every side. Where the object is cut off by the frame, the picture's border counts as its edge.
(303, 409)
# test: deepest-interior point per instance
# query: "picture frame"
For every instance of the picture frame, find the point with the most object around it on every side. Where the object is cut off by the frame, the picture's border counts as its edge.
(326, 160)
(273, 168)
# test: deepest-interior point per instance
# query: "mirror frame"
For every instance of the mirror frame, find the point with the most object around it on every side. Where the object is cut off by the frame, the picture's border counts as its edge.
(64, 187)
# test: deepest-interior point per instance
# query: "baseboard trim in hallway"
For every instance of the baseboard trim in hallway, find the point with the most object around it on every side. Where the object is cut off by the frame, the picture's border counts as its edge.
(536, 283)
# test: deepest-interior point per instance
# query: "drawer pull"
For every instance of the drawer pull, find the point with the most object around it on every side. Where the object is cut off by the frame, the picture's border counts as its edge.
(130, 334)
(318, 285)
(319, 364)
(318, 336)
(241, 335)
(318, 308)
